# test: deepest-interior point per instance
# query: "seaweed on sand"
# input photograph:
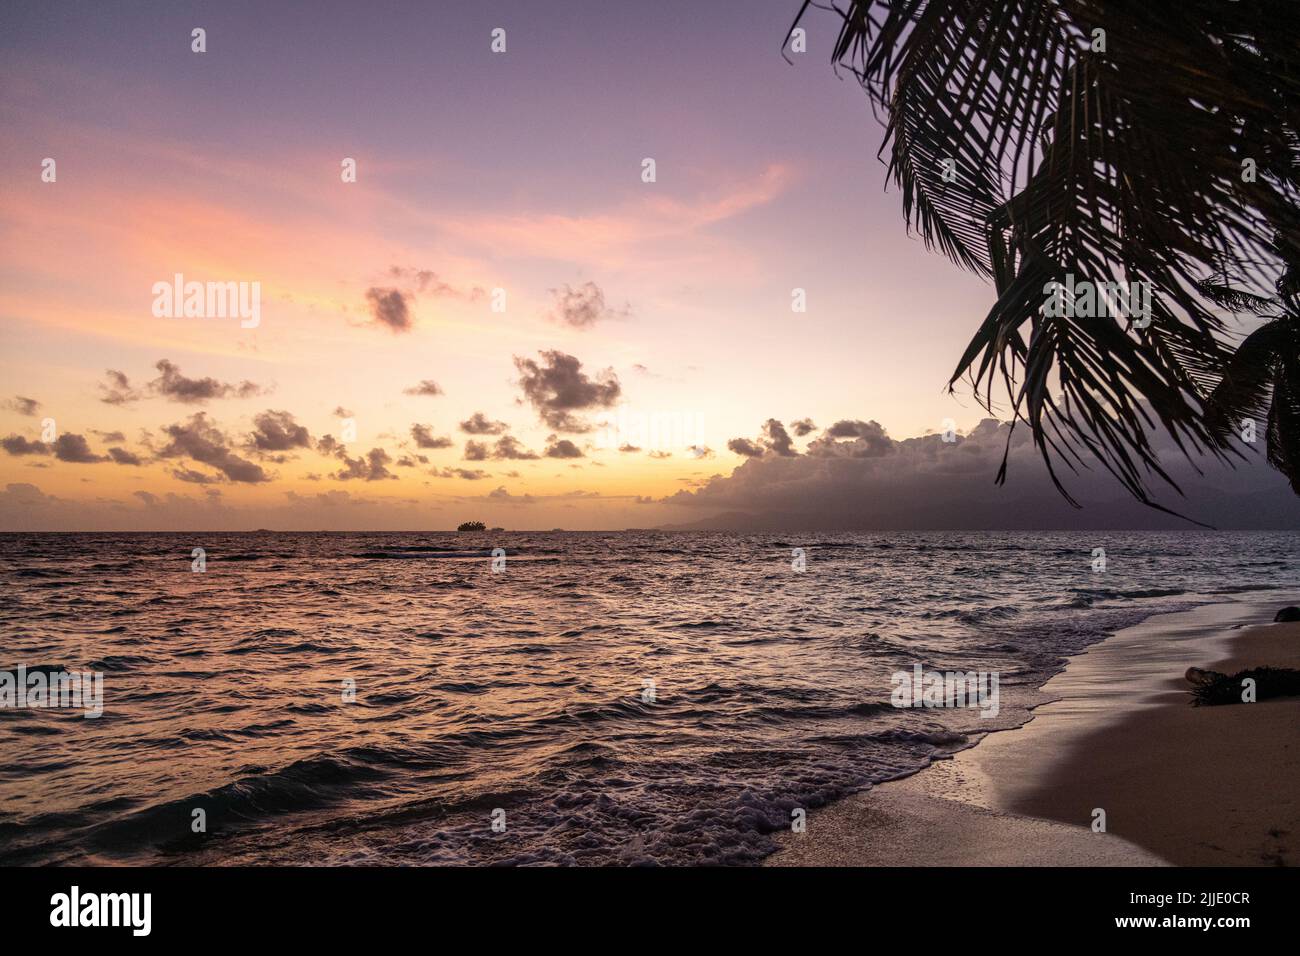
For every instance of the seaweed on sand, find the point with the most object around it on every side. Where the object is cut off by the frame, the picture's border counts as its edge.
(1226, 689)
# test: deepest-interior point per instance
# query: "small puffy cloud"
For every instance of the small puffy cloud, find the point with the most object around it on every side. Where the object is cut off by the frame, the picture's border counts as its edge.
(23, 405)
(774, 439)
(468, 474)
(660, 454)
(18, 445)
(803, 427)
(557, 388)
(868, 441)
(330, 446)
(581, 308)
(700, 451)
(479, 424)
(627, 447)
(373, 467)
(563, 449)
(73, 448)
(172, 385)
(124, 457)
(745, 448)
(200, 440)
(426, 387)
(425, 438)
(117, 389)
(778, 439)
(277, 431)
(508, 448)
(341, 412)
(390, 308)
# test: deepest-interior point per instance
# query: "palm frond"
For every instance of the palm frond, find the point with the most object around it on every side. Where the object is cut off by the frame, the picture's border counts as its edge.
(1284, 422)
(1094, 163)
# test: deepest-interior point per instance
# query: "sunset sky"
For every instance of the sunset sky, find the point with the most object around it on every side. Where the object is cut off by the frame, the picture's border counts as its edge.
(632, 302)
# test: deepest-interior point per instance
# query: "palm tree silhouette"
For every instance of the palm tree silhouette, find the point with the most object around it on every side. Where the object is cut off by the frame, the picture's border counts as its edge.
(1038, 140)
(1262, 379)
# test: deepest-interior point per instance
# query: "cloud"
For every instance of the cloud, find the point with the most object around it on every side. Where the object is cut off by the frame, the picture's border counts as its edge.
(803, 427)
(558, 388)
(778, 439)
(124, 457)
(425, 438)
(467, 474)
(745, 448)
(341, 412)
(118, 390)
(478, 424)
(501, 495)
(23, 495)
(277, 431)
(371, 468)
(660, 454)
(869, 441)
(426, 387)
(202, 441)
(563, 449)
(774, 439)
(73, 448)
(626, 447)
(700, 451)
(868, 480)
(428, 282)
(583, 307)
(23, 405)
(507, 448)
(193, 477)
(18, 445)
(619, 238)
(389, 308)
(108, 436)
(171, 384)
(330, 446)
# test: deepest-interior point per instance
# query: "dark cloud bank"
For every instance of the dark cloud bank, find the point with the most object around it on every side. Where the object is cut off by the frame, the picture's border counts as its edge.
(854, 477)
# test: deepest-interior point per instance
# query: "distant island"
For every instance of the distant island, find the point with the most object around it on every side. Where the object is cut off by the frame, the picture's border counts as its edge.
(472, 526)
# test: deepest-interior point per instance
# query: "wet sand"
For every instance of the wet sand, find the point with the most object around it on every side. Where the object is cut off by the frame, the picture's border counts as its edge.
(1179, 785)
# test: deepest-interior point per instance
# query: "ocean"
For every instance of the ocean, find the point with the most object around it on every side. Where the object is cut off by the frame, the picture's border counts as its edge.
(632, 698)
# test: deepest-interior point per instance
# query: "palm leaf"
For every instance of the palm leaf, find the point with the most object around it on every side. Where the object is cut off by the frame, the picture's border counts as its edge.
(1123, 165)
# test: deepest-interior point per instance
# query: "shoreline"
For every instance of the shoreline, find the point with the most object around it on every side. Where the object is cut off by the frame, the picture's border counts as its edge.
(1179, 785)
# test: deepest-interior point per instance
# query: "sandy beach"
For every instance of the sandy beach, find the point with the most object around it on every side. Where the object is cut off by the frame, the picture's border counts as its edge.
(1179, 785)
